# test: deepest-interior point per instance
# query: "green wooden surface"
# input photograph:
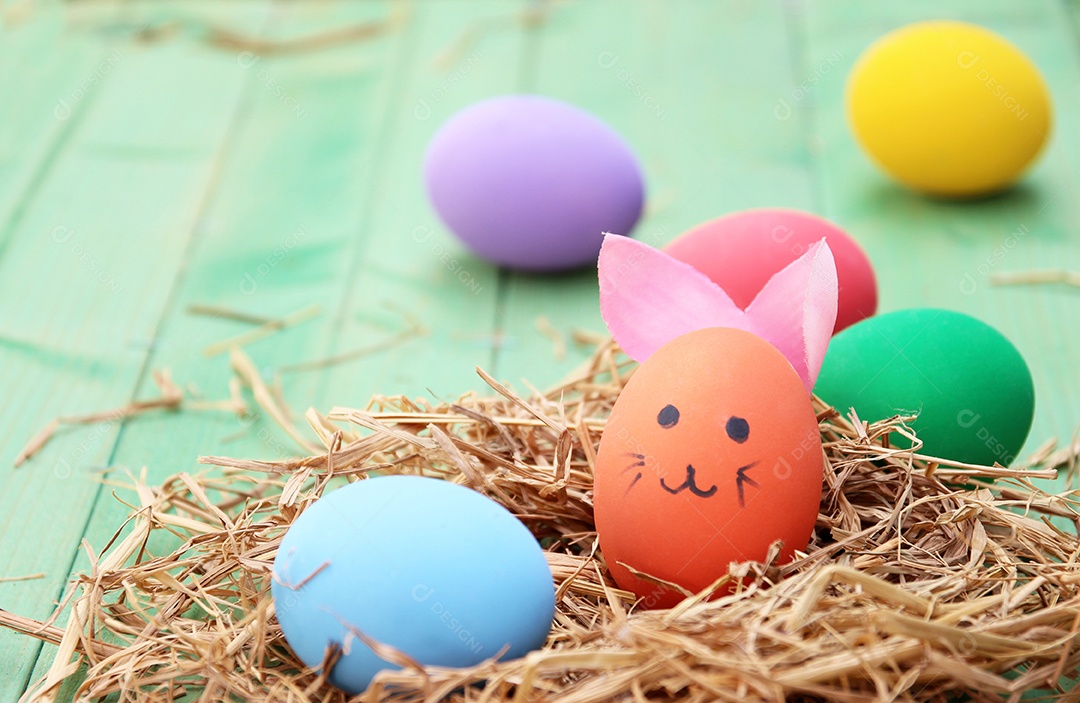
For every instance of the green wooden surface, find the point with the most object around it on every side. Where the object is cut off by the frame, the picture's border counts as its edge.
(139, 176)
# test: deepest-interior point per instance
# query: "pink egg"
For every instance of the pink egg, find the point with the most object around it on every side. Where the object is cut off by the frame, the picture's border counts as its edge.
(740, 252)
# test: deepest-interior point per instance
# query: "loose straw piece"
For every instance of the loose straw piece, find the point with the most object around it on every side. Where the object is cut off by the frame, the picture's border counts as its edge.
(1026, 278)
(558, 339)
(234, 41)
(262, 331)
(249, 375)
(48, 633)
(28, 577)
(533, 15)
(171, 398)
(227, 314)
(354, 354)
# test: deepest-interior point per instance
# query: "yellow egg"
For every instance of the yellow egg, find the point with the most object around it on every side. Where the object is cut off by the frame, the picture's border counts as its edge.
(948, 108)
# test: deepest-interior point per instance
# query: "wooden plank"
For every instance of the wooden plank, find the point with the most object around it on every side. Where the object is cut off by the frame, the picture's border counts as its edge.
(462, 52)
(83, 281)
(699, 111)
(937, 253)
(43, 99)
(322, 209)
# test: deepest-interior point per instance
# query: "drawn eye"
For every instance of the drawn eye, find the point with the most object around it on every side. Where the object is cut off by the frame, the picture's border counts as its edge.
(668, 417)
(737, 428)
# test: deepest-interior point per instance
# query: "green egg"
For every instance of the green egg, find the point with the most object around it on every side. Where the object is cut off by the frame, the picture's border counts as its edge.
(967, 383)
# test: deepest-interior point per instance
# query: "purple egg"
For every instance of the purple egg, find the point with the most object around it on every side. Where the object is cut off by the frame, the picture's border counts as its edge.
(532, 183)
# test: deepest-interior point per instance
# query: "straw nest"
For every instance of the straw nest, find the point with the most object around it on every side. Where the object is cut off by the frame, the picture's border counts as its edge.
(925, 580)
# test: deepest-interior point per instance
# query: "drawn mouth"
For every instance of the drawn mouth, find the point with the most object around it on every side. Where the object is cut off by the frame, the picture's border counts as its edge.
(690, 484)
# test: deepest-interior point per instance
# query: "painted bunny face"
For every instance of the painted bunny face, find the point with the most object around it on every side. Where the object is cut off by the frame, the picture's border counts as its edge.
(712, 451)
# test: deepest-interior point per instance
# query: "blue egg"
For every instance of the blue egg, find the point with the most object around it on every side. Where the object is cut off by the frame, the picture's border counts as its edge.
(434, 569)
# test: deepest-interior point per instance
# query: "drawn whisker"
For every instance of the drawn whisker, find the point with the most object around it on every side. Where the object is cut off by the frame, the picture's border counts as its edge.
(633, 466)
(632, 483)
(741, 478)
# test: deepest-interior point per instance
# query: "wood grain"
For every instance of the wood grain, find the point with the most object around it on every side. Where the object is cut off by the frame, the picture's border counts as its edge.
(84, 279)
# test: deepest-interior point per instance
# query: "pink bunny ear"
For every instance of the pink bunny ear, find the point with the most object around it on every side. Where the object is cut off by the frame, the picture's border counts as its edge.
(648, 298)
(796, 310)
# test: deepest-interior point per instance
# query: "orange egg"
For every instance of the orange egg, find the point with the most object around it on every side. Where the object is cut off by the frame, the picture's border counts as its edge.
(712, 452)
